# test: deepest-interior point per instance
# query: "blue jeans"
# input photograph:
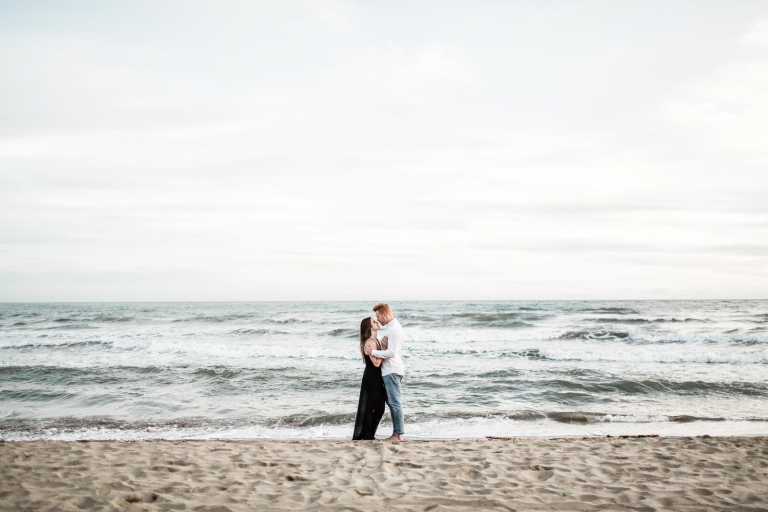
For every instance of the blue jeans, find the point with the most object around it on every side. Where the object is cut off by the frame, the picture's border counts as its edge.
(392, 385)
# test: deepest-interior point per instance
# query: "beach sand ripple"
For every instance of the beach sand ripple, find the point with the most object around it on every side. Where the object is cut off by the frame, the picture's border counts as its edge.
(704, 473)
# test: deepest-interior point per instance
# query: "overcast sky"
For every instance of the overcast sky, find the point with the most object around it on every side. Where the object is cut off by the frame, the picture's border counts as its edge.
(383, 150)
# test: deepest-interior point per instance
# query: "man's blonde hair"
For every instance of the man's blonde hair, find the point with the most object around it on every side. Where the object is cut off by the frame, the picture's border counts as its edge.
(382, 307)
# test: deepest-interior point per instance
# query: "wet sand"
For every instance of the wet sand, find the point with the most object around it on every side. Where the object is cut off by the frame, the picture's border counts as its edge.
(718, 473)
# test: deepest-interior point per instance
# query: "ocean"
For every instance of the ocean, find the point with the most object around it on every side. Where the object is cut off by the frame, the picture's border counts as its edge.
(292, 370)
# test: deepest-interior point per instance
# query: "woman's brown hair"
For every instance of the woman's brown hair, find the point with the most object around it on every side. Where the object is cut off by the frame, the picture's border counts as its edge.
(365, 334)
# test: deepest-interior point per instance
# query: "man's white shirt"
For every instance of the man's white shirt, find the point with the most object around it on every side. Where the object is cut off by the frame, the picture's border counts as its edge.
(393, 362)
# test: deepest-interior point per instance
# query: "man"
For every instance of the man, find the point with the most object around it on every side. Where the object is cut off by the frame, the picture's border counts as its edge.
(392, 369)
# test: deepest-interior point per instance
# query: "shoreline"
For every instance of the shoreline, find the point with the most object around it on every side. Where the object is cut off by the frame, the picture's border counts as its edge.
(69, 430)
(408, 439)
(571, 473)
(381, 437)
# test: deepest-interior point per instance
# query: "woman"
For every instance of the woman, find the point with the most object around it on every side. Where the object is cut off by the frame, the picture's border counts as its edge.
(370, 408)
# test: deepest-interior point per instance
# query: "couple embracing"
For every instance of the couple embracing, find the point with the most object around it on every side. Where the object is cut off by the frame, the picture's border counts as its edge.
(381, 341)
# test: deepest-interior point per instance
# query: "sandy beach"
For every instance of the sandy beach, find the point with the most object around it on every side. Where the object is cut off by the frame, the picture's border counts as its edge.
(703, 473)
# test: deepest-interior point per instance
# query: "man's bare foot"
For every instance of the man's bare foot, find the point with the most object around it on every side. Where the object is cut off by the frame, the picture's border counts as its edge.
(395, 437)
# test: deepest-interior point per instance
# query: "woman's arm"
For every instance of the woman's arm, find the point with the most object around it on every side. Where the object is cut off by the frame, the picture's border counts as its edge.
(375, 360)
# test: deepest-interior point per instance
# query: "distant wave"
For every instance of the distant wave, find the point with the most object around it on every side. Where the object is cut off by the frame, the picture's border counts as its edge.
(213, 318)
(244, 352)
(66, 327)
(600, 386)
(646, 320)
(514, 324)
(150, 347)
(593, 335)
(219, 373)
(645, 355)
(664, 337)
(284, 320)
(255, 332)
(487, 317)
(657, 355)
(415, 316)
(507, 319)
(52, 343)
(609, 310)
(346, 333)
(110, 318)
(639, 354)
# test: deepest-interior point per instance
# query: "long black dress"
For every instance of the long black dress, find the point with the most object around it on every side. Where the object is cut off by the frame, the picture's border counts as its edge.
(370, 408)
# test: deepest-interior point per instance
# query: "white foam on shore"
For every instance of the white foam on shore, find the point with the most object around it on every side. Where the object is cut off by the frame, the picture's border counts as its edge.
(472, 428)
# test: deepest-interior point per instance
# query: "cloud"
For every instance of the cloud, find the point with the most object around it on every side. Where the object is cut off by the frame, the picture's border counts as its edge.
(324, 150)
(726, 110)
(759, 36)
